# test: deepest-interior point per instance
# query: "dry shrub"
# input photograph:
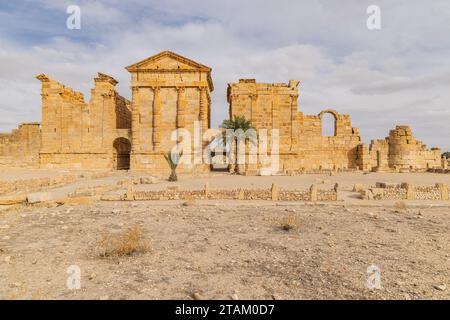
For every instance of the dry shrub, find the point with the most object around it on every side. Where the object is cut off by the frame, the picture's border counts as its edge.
(400, 205)
(126, 243)
(289, 222)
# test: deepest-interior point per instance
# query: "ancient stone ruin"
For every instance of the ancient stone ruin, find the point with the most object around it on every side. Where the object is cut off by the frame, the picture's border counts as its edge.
(172, 92)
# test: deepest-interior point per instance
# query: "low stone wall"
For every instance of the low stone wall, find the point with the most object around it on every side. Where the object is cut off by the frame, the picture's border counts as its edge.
(445, 171)
(274, 193)
(35, 184)
(407, 191)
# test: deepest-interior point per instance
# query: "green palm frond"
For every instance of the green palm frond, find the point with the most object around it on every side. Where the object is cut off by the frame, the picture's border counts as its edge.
(234, 124)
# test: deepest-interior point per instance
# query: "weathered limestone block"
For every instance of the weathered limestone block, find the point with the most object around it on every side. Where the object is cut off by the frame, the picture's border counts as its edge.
(275, 192)
(39, 197)
(207, 189)
(313, 193)
(410, 191)
(10, 200)
(148, 180)
(443, 190)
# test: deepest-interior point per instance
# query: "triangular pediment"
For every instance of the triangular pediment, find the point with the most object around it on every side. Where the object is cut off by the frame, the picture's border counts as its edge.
(167, 60)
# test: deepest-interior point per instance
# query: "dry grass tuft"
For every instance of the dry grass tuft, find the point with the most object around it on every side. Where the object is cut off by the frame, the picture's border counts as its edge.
(400, 205)
(126, 243)
(289, 222)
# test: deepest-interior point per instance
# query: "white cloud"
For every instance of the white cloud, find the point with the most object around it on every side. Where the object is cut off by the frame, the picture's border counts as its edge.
(399, 74)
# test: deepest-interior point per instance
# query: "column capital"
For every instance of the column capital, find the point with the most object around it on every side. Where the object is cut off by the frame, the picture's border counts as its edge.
(180, 89)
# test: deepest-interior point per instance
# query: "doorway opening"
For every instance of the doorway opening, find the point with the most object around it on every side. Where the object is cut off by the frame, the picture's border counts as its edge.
(122, 151)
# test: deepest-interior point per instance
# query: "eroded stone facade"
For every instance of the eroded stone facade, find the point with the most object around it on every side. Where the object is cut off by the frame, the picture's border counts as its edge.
(21, 147)
(76, 134)
(399, 152)
(302, 147)
(172, 92)
(169, 92)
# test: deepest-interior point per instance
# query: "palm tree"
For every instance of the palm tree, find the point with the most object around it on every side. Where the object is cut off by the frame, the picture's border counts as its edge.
(230, 127)
(173, 160)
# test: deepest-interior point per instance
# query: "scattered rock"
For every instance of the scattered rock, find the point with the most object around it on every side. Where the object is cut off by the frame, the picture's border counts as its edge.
(197, 296)
(189, 203)
(148, 180)
(234, 297)
(440, 287)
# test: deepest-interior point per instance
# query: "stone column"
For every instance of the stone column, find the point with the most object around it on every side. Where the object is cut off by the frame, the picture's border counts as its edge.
(135, 120)
(275, 119)
(294, 121)
(253, 115)
(156, 118)
(181, 107)
(203, 116)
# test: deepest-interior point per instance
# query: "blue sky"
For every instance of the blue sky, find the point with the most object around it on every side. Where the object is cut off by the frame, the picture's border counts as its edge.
(397, 75)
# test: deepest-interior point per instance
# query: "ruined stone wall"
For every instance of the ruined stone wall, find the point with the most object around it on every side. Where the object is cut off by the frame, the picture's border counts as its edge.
(328, 152)
(379, 155)
(407, 191)
(76, 134)
(400, 152)
(302, 145)
(405, 152)
(20, 148)
(169, 92)
(272, 194)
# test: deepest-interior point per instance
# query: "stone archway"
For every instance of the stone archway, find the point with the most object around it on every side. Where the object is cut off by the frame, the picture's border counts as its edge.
(121, 152)
(326, 123)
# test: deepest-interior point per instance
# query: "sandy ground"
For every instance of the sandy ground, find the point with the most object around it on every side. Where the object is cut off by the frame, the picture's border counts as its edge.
(225, 249)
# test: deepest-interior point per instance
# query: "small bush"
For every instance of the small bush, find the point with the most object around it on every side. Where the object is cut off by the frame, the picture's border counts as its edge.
(289, 222)
(126, 243)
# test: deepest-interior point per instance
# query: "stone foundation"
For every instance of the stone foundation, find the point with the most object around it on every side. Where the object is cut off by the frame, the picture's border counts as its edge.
(272, 194)
(406, 191)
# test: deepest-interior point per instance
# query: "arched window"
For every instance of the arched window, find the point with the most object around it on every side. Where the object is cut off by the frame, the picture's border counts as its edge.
(328, 124)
